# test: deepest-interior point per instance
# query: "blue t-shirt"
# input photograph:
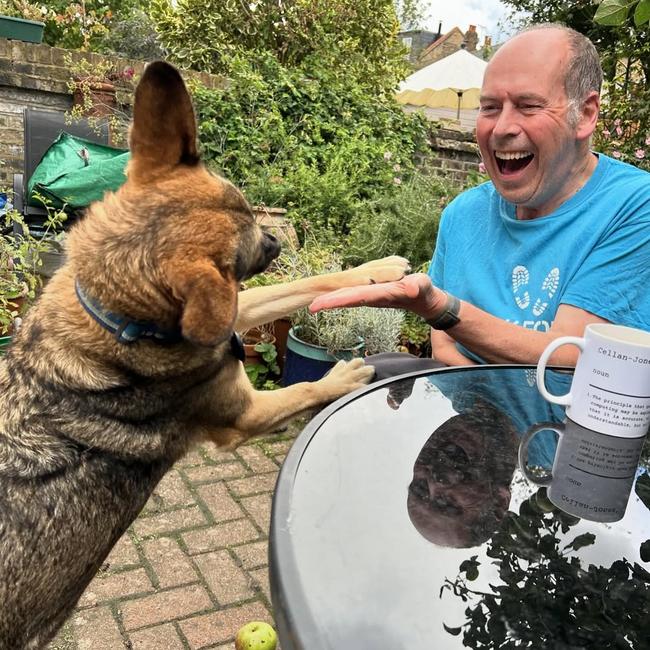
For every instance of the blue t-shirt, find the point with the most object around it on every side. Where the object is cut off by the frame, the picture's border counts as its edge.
(593, 252)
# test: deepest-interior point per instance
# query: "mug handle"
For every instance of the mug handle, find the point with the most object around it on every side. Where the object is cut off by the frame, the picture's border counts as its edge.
(523, 450)
(565, 399)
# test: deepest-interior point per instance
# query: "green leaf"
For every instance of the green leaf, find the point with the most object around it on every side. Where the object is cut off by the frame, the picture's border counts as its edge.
(642, 13)
(587, 539)
(644, 551)
(612, 12)
(455, 631)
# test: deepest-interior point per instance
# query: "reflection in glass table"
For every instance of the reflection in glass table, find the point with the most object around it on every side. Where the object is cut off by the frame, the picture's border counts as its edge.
(401, 520)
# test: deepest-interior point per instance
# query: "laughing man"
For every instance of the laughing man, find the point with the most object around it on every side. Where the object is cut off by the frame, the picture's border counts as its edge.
(558, 239)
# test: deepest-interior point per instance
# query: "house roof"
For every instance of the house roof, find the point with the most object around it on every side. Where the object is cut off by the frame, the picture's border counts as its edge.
(440, 41)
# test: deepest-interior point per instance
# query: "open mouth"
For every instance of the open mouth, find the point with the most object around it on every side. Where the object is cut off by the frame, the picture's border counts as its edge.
(511, 162)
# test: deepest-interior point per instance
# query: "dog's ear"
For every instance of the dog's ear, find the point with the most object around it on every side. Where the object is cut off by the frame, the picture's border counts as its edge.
(209, 301)
(163, 133)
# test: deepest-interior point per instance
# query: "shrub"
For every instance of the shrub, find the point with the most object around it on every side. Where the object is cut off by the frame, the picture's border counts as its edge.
(308, 139)
(403, 223)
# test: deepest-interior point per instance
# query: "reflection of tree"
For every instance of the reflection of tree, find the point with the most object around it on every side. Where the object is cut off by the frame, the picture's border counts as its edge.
(548, 600)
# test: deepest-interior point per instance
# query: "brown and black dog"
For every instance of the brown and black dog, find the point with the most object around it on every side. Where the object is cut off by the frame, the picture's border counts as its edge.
(128, 359)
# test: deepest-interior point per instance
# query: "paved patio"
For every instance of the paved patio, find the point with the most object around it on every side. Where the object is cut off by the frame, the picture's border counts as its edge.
(193, 567)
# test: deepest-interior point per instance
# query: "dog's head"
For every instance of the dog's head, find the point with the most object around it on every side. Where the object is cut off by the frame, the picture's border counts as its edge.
(175, 240)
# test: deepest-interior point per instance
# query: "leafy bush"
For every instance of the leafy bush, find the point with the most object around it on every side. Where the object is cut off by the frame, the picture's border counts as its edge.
(355, 37)
(132, 36)
(309, 139)
(403, 223)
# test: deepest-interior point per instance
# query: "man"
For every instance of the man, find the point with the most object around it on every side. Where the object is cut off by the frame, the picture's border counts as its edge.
(460, 489)
(558, 239)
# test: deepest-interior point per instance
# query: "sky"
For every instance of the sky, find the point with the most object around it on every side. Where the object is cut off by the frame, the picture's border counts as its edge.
(485, 14)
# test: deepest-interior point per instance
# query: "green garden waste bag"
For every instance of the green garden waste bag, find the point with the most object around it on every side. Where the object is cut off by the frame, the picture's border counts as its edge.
(75, 172)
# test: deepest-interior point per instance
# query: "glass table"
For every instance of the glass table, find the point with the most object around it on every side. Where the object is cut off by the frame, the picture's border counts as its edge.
(401, 519)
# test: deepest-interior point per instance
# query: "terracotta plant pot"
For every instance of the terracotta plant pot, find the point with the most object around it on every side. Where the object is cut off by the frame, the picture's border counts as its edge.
(251, 339)
(101, 95)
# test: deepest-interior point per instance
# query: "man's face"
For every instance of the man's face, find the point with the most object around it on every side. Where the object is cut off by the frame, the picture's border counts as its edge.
(528, 146)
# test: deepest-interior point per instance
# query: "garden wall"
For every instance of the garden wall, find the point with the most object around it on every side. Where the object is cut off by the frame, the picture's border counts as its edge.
(38, 75)
(456, 153)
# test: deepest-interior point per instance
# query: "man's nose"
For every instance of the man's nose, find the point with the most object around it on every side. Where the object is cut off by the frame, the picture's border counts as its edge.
(507, 123)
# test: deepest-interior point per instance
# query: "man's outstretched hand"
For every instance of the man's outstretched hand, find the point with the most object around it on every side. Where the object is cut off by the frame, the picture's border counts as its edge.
(413, 292)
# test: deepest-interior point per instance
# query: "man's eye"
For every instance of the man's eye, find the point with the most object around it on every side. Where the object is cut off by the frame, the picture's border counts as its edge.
(530, 107)
(487, 108)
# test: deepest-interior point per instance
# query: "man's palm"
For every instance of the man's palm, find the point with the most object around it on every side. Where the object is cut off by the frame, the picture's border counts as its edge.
(413, 292)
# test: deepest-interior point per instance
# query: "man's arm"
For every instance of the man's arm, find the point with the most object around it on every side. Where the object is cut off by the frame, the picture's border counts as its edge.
(491, 338)
(498, 341)
(443, 349)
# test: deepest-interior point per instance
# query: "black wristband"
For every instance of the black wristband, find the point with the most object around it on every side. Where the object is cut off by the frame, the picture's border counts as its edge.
(449, 316)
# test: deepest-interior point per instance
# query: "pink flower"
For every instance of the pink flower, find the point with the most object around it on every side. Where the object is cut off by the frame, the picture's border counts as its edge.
(606, 133)
(387, 155)
(640, 154)
(619, 130)
(647, 140)
(397, 181)
(481, 167)
(396, 167)
(617, 122)
(616, 154)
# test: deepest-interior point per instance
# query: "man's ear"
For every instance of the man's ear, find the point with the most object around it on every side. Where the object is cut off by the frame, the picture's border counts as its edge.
(163, 133)
(588, 118)
(209, 301)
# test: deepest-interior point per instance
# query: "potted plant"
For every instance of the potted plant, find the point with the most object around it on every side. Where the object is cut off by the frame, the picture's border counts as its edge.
(20, 265)
(94, 87)
(317, 341)
(21, 21)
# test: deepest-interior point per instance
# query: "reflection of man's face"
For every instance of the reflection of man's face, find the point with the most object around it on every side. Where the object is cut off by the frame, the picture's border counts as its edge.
(461, 481)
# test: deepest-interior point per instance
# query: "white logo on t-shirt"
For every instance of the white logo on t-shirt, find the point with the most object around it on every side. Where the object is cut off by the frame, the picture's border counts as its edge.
(520, 282)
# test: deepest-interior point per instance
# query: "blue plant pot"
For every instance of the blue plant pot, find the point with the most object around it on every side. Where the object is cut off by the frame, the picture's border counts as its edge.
(308, 362)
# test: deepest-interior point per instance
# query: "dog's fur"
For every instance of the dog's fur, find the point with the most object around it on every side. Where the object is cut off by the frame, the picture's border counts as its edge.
(88, 425)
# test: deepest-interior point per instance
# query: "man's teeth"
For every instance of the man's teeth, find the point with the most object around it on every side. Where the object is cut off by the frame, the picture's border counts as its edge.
(512, 155)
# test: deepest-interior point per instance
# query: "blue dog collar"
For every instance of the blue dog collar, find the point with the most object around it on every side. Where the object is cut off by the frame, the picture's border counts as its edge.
(126, 330)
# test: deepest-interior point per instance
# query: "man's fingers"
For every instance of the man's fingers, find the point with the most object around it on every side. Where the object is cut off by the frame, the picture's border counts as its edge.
(350, 297)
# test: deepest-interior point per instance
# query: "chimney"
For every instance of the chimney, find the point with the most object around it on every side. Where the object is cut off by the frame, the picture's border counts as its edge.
(471, 39)
(439, 30)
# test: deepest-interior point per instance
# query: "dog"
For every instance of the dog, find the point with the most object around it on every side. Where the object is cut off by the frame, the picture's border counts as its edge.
(129, 358)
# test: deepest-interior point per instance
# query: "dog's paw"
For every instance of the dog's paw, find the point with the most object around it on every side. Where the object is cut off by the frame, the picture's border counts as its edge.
(387, 269)
(345, 377)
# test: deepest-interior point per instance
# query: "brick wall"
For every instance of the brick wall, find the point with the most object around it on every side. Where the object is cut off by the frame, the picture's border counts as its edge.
(456, 153)
(37, 76)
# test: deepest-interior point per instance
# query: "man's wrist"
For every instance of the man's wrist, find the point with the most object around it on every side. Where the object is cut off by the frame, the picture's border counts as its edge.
(448, 316)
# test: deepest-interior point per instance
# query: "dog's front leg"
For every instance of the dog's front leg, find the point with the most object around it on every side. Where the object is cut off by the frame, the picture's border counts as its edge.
(266, 411)
(261, 305)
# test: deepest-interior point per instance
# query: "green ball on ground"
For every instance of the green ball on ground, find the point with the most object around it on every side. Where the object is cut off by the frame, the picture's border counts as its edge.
(256, 636)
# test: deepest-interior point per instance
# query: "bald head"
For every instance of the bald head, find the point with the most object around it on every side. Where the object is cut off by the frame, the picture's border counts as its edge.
(580, 65)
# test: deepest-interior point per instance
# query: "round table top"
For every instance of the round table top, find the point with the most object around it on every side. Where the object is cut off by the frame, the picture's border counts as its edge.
(402, 520)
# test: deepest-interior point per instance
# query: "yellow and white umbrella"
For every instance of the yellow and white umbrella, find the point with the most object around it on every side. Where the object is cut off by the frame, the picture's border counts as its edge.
(452, 82)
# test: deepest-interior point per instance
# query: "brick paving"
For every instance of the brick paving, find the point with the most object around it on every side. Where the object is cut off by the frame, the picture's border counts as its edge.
(193, 568)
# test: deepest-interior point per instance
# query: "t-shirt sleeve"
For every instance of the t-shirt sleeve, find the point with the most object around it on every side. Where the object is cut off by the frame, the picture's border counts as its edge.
(614, 280)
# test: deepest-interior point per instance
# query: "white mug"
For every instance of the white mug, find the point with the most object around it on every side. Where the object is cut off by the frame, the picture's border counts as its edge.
(592, 473)
(610, 390)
